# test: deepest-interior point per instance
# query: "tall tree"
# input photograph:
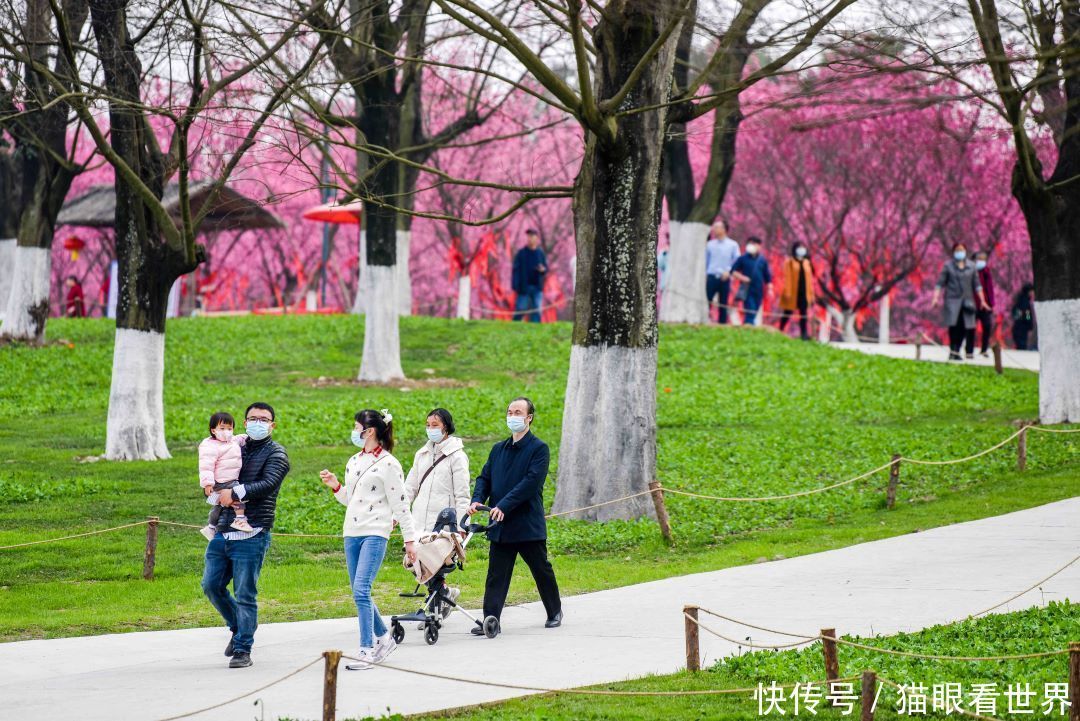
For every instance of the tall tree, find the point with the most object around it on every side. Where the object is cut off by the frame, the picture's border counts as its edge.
(380, 58)
(1024, 63)
(690, 211)
(153, 247)
(624, 57)
(35, 113)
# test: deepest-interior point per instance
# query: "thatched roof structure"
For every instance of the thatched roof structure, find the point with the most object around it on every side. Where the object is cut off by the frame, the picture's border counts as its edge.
(96, 208)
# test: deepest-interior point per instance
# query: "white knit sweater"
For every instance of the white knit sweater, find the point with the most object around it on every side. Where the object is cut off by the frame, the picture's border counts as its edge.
(373, 494)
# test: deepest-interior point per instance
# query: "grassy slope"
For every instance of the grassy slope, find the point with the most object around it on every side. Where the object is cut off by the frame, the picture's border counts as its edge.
(1030, 631)
(740, 413)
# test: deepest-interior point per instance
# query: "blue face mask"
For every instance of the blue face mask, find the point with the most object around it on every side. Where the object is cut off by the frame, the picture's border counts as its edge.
(257, 430)
(435, 435)
(516, 424)
(357, 438)
(959, 255)
(980, 264)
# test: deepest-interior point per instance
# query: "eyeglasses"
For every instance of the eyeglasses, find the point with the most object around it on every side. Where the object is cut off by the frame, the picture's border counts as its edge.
(262, 420)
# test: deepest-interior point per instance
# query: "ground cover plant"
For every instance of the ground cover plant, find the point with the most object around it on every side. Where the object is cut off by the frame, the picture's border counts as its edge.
(741, 413)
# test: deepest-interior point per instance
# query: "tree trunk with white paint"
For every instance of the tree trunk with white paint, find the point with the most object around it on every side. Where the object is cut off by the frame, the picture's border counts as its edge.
(683, 301)
(382, 344)
(27, 306)
(608, 447)
(148, 260)
(464, 297)
(883, 321)
(845, 322)
(404, 279)
(7, 265)
(1059, 360)
(135, 430)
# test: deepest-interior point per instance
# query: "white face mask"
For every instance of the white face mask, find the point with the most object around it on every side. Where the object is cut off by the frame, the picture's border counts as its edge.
(435, 435)
(752, 249)
(800, 252)
(516, 424)
(223, 435)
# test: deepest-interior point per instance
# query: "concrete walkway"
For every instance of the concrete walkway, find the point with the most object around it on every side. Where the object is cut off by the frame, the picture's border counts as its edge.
(1022, 359)
(903, 583)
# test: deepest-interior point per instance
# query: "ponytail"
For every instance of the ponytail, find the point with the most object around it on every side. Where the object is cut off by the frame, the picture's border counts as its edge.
(382, 422)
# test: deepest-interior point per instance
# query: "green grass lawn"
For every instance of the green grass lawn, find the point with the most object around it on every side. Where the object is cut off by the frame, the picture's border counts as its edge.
(1032, 631)
(741, 412)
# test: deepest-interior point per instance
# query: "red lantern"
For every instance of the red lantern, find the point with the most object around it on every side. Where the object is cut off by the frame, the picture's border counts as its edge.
(74, 244)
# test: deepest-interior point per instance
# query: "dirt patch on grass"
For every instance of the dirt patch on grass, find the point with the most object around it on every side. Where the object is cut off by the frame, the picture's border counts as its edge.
(403, 384)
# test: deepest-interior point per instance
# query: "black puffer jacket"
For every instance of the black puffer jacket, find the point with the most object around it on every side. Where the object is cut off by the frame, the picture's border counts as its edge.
(265, 466)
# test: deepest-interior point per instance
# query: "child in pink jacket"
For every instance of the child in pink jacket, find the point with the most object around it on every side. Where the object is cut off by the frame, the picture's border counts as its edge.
(219, 468)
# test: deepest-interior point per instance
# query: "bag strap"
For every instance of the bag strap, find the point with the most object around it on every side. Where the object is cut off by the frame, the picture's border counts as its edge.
(428, 472)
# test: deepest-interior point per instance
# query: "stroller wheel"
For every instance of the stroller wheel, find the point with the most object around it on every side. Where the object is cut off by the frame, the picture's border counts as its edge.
(431, 635)
(491, 627)
(397, 632)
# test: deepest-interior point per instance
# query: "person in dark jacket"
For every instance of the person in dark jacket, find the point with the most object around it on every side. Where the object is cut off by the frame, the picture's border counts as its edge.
(530, 269)
(237, 556)
(754, 276)
(985, 314)
(512, 484)
(1023, 316)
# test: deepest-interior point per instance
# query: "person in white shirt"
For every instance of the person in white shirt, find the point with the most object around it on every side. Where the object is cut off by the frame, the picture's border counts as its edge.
(721, 252)
(374, 498)
(438, 479)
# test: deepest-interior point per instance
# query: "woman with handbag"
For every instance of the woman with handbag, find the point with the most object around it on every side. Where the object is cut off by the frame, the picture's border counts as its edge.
(963, 295)
(374, 498)
(439, 478)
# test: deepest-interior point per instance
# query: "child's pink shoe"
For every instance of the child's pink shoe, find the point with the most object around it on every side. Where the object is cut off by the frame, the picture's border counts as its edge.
(241, 524)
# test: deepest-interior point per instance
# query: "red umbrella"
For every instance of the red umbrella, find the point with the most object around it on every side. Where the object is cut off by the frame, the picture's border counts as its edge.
(344, 214)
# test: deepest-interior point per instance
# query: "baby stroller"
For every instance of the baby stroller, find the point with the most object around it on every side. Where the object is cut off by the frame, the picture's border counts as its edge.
(439, 553)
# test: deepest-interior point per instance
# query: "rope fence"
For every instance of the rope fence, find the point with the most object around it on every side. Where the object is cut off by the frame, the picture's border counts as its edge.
(656, 490)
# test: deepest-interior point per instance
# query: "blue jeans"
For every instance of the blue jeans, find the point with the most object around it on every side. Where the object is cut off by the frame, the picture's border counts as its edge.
(364, 556)
(750, 309)
(239, 562)
(531, 299)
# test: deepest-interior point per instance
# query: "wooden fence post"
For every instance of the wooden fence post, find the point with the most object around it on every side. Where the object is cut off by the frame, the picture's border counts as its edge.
(869, 692)
(997, 359)
(832, 665)
(693, 654)
(1074, 681)
(1021, 447)
(894, 479)
(329, 697)
(150, 555)
(661, 511)
(918, 350)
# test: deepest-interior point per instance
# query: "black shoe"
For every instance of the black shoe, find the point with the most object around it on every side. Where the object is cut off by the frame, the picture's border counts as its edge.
(554, 622)
(229, 648)
(240, 659)
(476, 631)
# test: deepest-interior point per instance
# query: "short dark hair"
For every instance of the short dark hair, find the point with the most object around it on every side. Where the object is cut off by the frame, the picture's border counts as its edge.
(721, 219)
(983, 253)
(384, 431)
(532, 231)
(447, 420)
(796, 245)
(959, 244)
(754, 239)
(219, 418)
(528, 405)
(71, 277)
(262, 407)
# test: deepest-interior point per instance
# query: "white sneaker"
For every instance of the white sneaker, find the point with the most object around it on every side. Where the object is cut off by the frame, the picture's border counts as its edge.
(365, 659)
(208, 532)
(454, 594)
(384, 646)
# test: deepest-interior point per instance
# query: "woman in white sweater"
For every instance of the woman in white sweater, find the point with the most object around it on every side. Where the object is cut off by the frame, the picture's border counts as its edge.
(374, 497)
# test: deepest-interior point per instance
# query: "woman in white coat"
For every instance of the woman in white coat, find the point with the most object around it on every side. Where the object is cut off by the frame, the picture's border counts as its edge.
(439, 478)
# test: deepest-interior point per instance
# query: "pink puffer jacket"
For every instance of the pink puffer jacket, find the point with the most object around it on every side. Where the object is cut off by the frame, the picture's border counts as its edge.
(219, 462)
